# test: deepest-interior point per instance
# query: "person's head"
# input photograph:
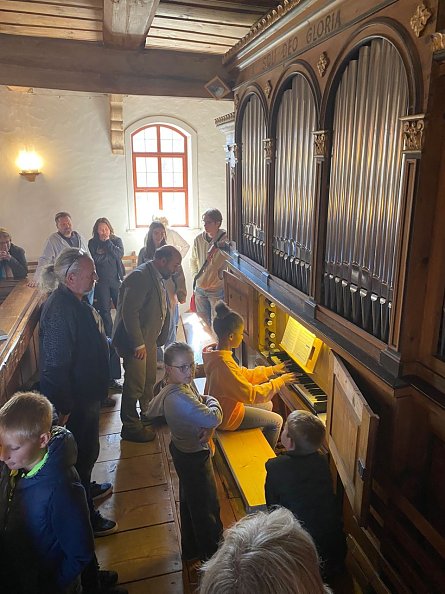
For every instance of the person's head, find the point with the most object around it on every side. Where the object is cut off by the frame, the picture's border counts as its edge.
(263, 553)
(167, 260)
(303, 432)
(5, 240)
(25, 426)
(228, 325)
(64, 224)
(212, 219)
(179, 363)
(73, 268)
(103, 229)
(155, 238)
(160, 216)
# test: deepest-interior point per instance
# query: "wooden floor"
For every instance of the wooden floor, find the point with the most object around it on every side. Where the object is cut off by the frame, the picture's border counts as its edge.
(146, 549)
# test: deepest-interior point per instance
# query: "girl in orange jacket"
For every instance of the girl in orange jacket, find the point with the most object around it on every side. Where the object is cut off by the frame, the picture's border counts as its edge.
(244, 394)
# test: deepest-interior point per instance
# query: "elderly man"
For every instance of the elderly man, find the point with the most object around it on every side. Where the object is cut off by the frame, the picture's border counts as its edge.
(12, 258)
(142, 324)
(74, 363)
(64, 238)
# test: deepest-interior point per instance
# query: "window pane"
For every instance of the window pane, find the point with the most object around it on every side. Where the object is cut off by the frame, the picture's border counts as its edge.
(173, 204)
(145, 141)
(171, 141)
(147, 204)
(172, 174)
(147, 172)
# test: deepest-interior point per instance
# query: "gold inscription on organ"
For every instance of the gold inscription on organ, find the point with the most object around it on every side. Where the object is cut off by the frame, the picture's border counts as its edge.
(323, 27)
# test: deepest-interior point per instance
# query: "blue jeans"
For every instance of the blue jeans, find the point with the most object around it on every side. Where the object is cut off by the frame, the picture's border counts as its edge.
(174, 321)
(205, 303)
(268, 421)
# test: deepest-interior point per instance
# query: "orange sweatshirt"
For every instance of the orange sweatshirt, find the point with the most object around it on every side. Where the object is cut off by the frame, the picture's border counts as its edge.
(235, 386)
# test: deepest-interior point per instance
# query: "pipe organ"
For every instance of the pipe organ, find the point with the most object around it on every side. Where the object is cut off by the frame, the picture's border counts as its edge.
(336, 202)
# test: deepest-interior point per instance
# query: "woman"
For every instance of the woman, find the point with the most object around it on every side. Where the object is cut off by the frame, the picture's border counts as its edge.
(176, 289)
(245, 394)
(107, 251)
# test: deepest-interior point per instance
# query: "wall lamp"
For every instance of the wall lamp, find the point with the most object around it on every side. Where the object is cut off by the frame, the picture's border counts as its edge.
(29, 164)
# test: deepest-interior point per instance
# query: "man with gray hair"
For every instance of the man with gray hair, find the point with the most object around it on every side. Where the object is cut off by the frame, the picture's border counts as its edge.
(74, 363)
(141, 324)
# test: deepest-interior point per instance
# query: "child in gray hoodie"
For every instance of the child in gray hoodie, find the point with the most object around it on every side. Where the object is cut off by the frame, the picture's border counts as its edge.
(192, 419)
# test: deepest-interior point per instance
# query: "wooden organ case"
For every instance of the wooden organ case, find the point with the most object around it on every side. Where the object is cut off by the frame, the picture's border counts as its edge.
(336, 204)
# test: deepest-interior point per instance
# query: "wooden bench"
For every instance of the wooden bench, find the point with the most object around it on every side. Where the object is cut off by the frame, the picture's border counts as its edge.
(246, 452)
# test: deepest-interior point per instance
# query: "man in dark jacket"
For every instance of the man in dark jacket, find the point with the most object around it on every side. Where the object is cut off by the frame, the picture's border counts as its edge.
(12, 258)
(74, 362)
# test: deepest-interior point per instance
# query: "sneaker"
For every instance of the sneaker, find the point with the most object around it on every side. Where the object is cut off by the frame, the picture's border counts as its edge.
(100, 490)
(141, 435)
(107, 403)
(102, 526)
(115, 386)
(107, 579)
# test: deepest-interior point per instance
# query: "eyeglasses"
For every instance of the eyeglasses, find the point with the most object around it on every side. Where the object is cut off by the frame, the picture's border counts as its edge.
(184, 368)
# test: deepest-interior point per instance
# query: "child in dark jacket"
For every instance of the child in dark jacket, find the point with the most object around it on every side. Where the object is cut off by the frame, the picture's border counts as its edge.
(191, 419)
(45, 533)
(300, 481)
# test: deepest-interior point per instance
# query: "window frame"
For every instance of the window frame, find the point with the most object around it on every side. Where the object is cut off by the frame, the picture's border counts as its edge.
(191, 171)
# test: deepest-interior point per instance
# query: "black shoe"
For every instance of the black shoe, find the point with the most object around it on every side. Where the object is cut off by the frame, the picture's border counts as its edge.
(107, 579)
(100, 490)
(115, 386)
(142, 435)
(102, 526)
(107, 403)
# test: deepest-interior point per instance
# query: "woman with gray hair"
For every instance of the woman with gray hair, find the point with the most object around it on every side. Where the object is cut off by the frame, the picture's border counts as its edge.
(74, 362)
(264, 553)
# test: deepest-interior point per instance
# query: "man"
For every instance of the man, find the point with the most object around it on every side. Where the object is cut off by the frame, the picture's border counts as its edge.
(64, 238)
(142, 324)
(74, 365)
(12, 258)
(208, 260)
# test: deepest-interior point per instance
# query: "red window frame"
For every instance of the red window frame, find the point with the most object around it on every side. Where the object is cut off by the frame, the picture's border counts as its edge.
(160, 189)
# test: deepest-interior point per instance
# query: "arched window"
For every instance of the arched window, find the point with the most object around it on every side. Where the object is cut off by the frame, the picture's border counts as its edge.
(160, 174)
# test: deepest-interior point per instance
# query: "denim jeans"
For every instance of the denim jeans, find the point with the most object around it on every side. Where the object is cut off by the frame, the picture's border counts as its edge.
(268, 421)
(205, 303)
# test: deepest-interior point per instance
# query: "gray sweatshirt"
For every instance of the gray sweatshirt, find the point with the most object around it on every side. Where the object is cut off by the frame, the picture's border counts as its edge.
(186, 412)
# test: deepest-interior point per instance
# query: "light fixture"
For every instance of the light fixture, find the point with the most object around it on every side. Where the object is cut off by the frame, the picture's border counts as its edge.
(30, 164)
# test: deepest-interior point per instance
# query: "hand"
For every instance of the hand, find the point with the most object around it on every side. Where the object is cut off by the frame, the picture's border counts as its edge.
(281, 367)
(182, 299)
(290, 378)
(5, 255)
(32, 283)
(140, 353)
(205, 435)
(62, 420)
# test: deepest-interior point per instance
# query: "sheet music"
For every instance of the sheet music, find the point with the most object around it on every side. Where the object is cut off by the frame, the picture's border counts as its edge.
(298, 341)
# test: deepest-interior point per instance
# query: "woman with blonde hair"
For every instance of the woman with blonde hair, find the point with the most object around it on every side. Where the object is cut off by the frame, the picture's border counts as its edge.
(264, 553)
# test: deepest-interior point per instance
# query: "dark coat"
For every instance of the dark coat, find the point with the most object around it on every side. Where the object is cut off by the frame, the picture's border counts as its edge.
(46, 537)
(17, 263)
(107, 256)
(74, 360)
(139, 317)
(303, 485)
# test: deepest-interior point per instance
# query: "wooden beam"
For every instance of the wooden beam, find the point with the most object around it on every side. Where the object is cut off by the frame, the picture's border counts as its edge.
(117, 124)
(126, 22)
(82, 66)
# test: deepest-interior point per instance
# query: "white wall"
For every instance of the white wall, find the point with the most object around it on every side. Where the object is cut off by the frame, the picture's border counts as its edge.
(70, 131)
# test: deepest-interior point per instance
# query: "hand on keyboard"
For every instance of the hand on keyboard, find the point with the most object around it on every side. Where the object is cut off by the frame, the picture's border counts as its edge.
(290, 378)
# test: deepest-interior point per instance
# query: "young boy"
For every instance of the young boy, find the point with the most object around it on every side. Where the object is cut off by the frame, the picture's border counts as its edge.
(300, 481)
(191, 419)
(45, 532)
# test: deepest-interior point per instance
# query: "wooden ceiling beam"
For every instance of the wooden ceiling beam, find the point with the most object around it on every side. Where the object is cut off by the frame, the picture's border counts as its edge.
(126, 22)
(81, 66)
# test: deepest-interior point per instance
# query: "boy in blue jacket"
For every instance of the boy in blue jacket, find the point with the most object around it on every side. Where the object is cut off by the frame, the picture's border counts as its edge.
(45, 533)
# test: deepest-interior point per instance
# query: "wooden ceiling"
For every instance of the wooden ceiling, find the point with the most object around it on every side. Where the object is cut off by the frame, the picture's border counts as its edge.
(204, 26)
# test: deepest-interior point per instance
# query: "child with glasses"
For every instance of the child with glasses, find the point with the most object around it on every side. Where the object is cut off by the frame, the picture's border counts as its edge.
(192, 419)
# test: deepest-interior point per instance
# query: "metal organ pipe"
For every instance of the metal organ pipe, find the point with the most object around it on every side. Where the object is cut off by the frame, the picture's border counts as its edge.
(364, 201)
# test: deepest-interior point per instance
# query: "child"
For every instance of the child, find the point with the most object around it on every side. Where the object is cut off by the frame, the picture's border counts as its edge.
(191, 419)
(236, 386)
(300, 480)
(46, 534)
